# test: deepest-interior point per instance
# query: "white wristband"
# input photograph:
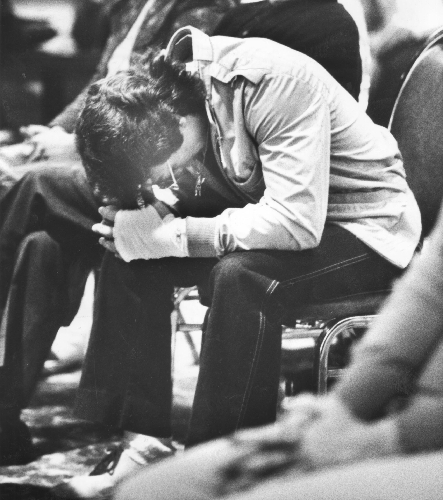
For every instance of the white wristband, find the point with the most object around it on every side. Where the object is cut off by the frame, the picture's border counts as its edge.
(143, 234)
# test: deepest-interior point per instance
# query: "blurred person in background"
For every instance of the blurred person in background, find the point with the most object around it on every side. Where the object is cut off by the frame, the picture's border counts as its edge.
(17, 33)
(397, 31)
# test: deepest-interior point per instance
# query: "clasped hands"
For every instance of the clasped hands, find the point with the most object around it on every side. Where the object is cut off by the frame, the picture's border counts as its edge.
(141, 234)
(314, 433)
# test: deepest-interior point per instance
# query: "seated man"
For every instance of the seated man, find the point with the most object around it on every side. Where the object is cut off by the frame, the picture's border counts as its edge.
(316, 207)
(47, 216)
(380, 431)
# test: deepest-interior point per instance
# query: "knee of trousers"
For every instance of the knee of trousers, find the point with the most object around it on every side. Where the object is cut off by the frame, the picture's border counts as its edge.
(39, 246)
(235, 274)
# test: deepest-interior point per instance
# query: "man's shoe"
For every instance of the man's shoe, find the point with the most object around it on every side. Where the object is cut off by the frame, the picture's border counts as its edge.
(116, 465)
(16, 444)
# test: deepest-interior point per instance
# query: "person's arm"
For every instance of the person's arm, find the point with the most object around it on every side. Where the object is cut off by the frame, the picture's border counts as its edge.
(420, 423)
(291, 126)
(290, 123)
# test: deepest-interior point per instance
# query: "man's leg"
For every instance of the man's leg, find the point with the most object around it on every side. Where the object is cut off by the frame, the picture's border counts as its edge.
(56, 200)
(44, 295)
(126, 378)
(48, 278)
(249, 293)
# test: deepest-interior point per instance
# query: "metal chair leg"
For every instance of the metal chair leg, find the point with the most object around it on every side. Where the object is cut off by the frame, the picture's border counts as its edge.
(179, 324)
(331, 330)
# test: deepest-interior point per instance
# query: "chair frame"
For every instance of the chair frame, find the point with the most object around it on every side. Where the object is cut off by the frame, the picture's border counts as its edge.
(178, 322)
(330, 331)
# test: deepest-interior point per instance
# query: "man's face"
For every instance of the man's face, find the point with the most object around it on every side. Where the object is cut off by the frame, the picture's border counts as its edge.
(194, 132)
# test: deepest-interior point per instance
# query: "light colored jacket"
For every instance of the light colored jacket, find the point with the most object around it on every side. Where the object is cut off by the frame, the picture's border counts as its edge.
(293, 144)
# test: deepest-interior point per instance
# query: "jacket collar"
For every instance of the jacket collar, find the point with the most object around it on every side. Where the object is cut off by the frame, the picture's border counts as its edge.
(216, 56)
(189, 44)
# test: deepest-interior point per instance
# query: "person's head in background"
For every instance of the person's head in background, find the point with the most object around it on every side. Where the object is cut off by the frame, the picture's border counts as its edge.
(138, 126)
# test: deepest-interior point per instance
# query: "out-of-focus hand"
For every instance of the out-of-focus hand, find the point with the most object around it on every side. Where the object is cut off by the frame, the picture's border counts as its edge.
(298, 412)
(16, 155)
(54, 144)
(106, 228)
(29, 131)
(41, 143)
(338, 437)
(7, 177)
(269, 450)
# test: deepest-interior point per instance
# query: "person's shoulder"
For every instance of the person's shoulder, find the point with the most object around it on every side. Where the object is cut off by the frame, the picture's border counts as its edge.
(263, 57)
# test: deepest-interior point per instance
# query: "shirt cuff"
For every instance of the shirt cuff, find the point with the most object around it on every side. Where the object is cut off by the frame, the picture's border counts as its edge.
(201, 236)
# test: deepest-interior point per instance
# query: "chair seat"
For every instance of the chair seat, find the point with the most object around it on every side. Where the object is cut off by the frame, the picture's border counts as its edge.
(354, 305)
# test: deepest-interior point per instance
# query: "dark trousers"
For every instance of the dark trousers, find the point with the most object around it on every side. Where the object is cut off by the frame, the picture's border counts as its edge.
(44, 295)
(126, 379)
(47, 250)
(56, 200)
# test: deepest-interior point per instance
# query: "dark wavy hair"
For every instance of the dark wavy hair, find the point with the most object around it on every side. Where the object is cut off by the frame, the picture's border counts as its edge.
(130, 123)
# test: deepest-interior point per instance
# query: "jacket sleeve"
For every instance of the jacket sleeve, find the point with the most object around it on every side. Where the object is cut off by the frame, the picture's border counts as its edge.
(290, 124)
(402, 354)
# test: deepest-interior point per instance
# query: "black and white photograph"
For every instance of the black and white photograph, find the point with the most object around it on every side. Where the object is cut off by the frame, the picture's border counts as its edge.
(221, 249)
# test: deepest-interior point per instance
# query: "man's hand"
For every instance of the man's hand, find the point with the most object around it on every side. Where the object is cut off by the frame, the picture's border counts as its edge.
(267, 451)
(141, 234)
(338, 437)
(50, 143)
(316, 432)
(30, 131)
(106, 228)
